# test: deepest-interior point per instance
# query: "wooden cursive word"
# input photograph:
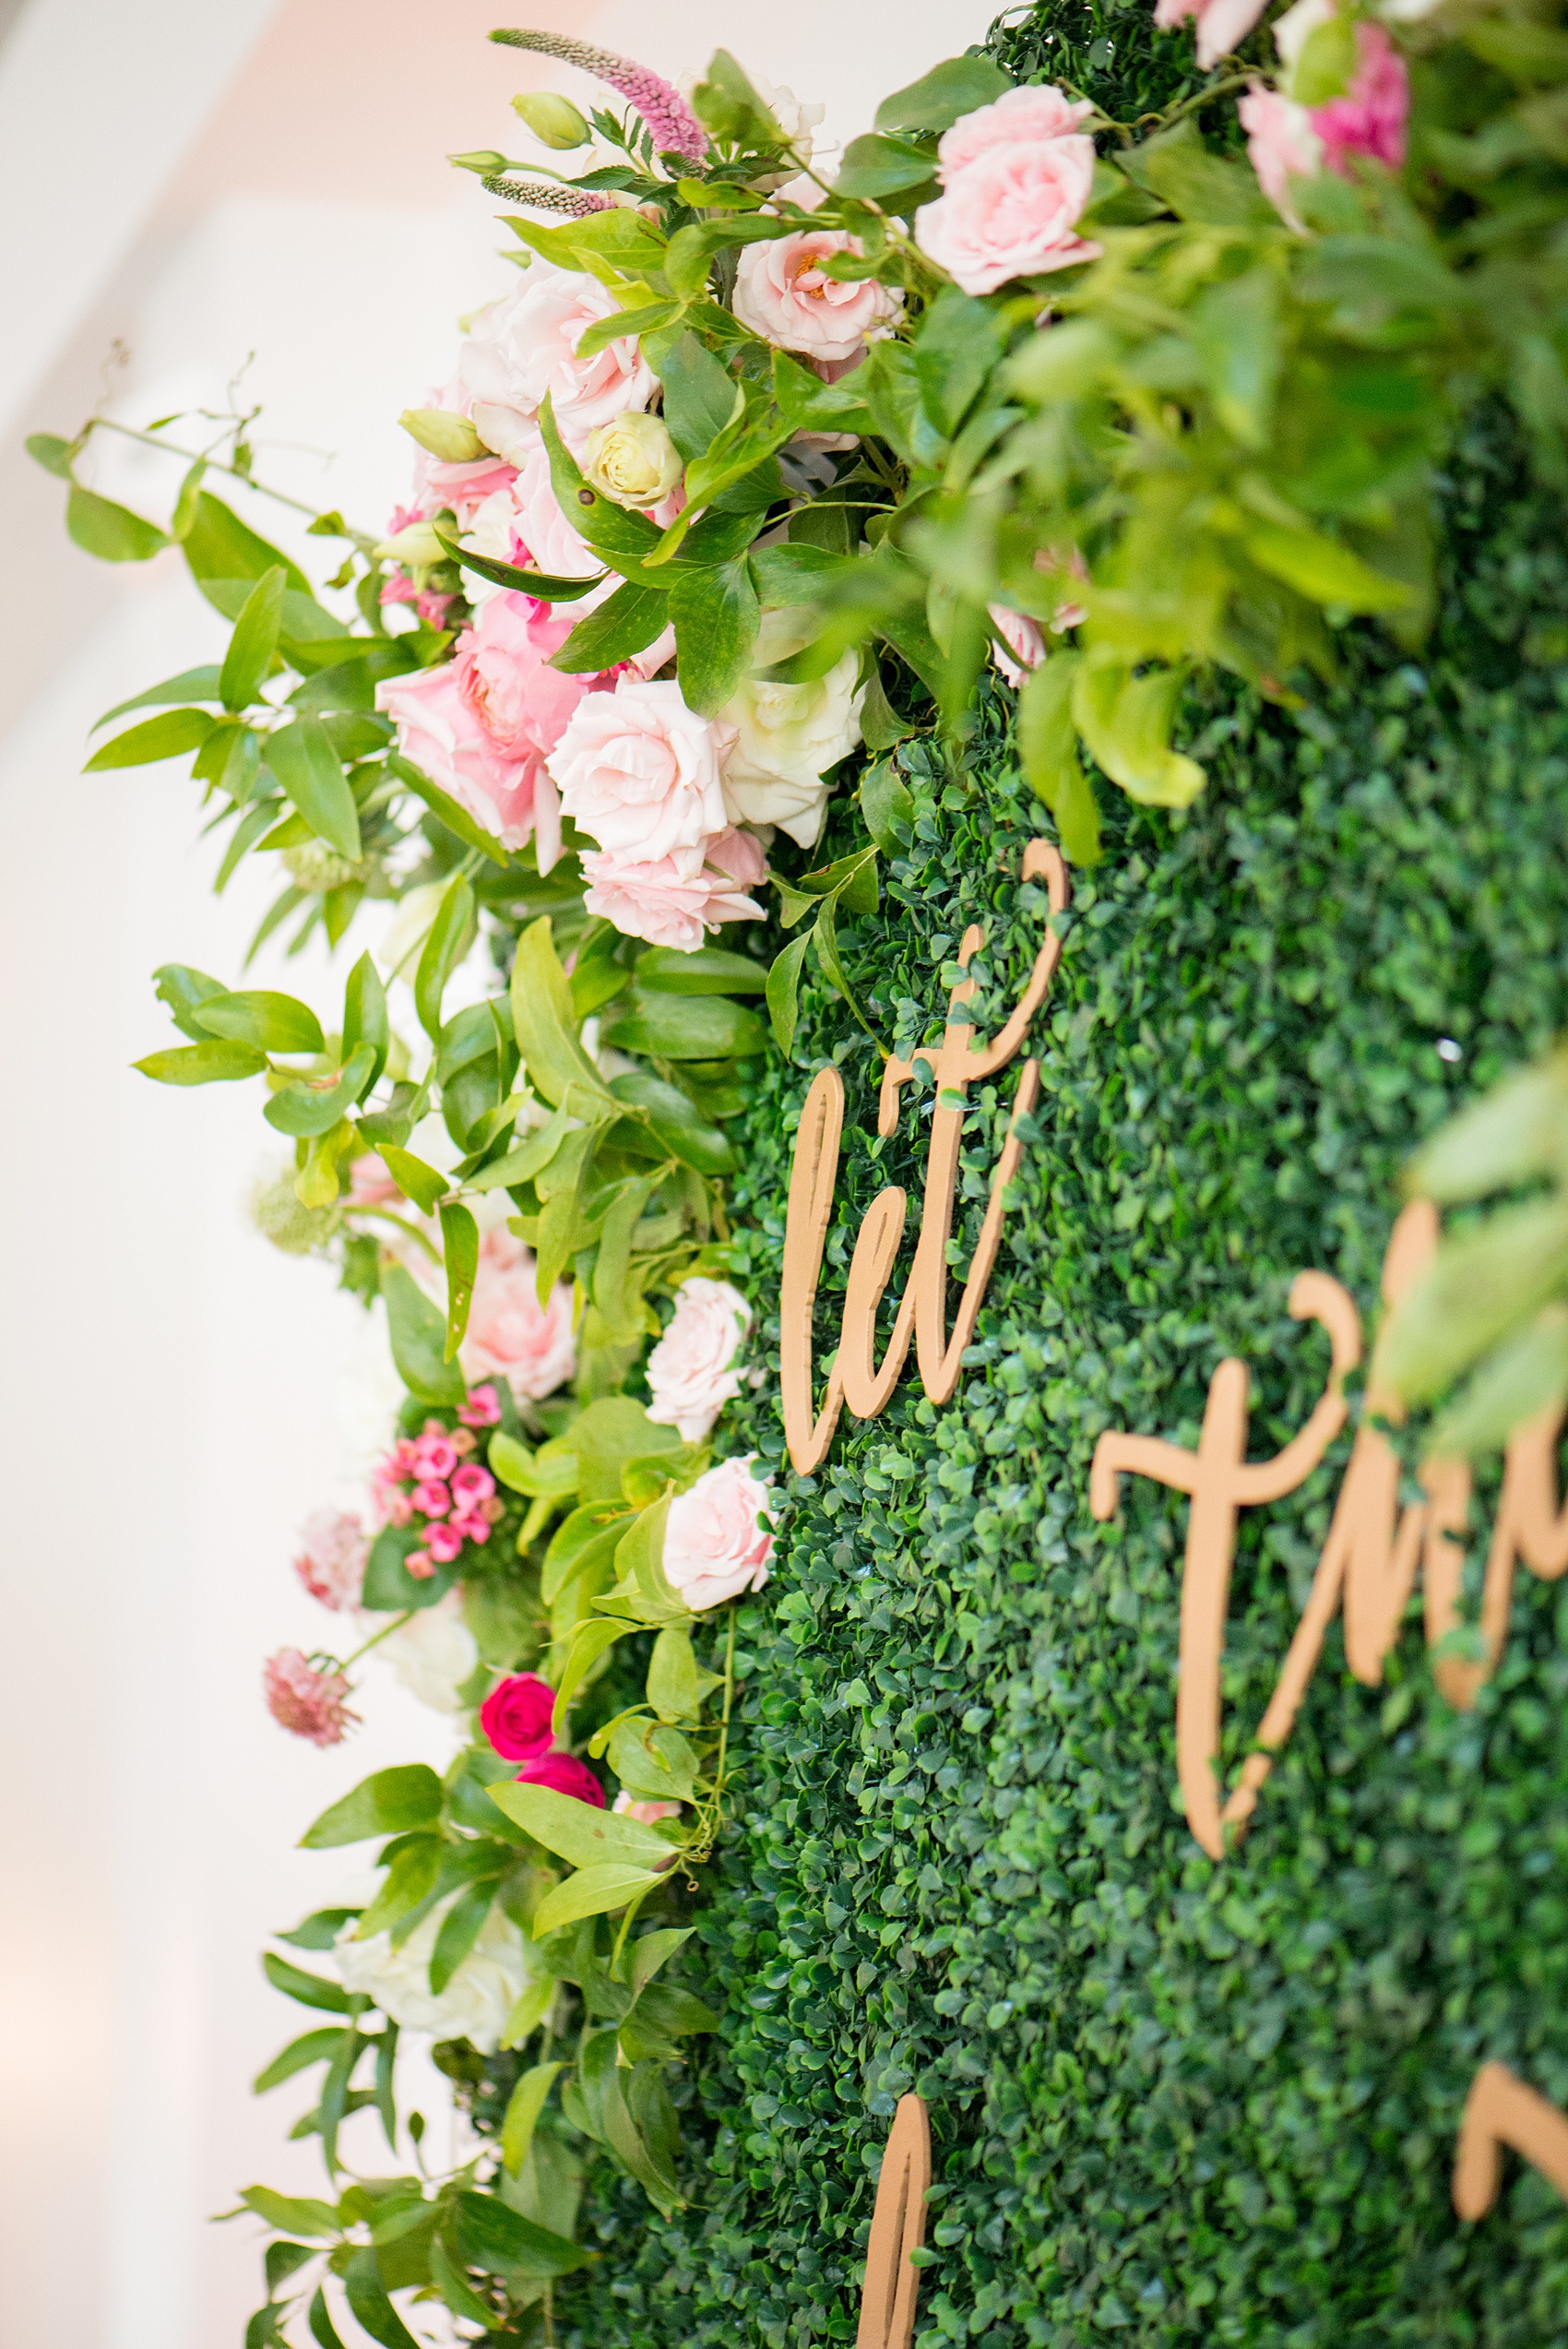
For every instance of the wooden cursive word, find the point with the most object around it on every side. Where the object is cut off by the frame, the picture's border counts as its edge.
(858, 1379)
(1370, 1560)
(1500, 2110)
(898, 2228)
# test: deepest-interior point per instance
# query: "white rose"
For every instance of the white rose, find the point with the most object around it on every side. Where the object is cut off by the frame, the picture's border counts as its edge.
(789, 736)
(475, 2004)
(433, 1653)
(689, 1373)
(633, 460)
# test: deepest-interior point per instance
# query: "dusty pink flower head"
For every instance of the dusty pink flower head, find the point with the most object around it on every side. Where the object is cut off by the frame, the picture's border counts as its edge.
(566, 1774)
(510, 1334)
(1282, 144)
(1370, 118)
(524, 348)
(331, 1557)
(676, 900)
(648, 1813)
(717, 1543)
(516, 1717)
(781, 293)
(369, 1182)
(1222, 25)
(676, 130)
(690, 1375)
(640, 772)
(305, 1699)
(1015, 177)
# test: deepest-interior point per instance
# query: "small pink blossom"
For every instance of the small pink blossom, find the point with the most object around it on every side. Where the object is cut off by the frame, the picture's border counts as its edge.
(331, 1560)
(718, 1540)
(1282, 144)
(782, 294)
(1015, 177)
(482, 1408)
(690, 1372)
(463, 1441)
(1222, 25)
(510, 1334)
(419, 1564)
(1370, 118)
(470, 1482)
(517, 1716)
(472, 1529)
(432, 1497)
(676, 900)
(435, 1452)
(444, 1543)
(306, 1699)
(648, 1813)
(567, 1775)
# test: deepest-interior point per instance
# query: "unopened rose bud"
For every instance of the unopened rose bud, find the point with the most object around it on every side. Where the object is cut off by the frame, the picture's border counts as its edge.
(448, 437)
(633, 460)
(485, 160)
(554, 120)
(415, 548)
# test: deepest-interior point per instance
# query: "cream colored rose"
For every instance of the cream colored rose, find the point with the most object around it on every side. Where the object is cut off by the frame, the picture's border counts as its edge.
(787, 736)
(477, 2001)
(633, 460)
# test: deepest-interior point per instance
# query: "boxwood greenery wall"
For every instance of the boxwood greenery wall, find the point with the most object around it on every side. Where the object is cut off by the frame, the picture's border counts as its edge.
(1173, 2102)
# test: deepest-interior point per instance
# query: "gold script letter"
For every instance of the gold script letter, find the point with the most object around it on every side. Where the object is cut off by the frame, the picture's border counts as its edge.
(898, 2228)
(1500, 2110)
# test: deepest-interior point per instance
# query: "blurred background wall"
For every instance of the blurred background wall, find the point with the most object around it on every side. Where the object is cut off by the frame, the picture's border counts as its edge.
(196, 191)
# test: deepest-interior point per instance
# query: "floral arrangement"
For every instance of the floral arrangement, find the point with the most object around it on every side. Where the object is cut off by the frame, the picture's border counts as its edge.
(730, 498)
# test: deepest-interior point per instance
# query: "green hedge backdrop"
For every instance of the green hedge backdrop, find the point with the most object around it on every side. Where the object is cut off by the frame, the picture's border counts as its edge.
(1172, 2101)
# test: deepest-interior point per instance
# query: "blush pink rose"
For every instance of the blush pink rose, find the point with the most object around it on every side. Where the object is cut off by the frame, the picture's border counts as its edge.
(566, 1774)
(1015, 178)
(640, 772)
(516, 1717)
(676, 900)
(1282, 144)
(525, 347)
(369, 1182)
(781, 293)
(331, 1558)
(1222, 25)
(690, 1376)
(716, 1541)
(510, 1334)
(1371, 117)
(1024, 639)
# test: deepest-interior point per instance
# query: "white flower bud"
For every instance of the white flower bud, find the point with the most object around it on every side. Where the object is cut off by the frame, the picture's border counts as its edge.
(633, 460)
(417, 548)
(451, 437)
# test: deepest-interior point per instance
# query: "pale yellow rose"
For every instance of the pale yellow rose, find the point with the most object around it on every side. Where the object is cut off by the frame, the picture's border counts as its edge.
(787, 736)
(633, 460)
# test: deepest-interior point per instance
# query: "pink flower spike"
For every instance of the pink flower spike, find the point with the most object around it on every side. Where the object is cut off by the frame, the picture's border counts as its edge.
(443, 1543)
(676, 130)
(421, 1565)
(432, 1497)
(482, 1410)
(306, 1699)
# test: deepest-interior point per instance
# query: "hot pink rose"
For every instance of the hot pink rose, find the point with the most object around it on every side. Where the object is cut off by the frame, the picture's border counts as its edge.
(567, 1775)
(715, 1546)
(306, 1699)
(640, 772)
(1282, 144)
(331, 1559)
(525, 346)
(781, 293)
(510, 1334)
(1015, 177)
(1371, 117)
(672, 901)
(1223, 25)
(516, 1717)
(689, 1373)
(649, 1813)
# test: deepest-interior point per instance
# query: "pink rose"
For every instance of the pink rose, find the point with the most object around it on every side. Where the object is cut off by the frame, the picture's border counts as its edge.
(1371, 117)
(331, 1559)
(715, 1544)
(567, 1775)
(369, 1182)
(516, 1717)
(1023, 638)
(689, 1373)
(537, 531)
(305, 1699)
(640, 772)
(649, 1813)
(782, 295)
(1223, 25)
(1015, 177)
(525, 346)
(510, 1334)
(674, 901)
(1282, 144)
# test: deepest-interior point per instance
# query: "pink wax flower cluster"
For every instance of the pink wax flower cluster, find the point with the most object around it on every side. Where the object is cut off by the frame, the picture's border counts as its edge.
(428, 1481)
(308, 1695)
(1015, 178)
(641, 774)
(331, 1558)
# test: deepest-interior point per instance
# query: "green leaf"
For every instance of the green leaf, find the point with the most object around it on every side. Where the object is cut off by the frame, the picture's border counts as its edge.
(1048, 751)
(1197, 184)
(783, 991)
(641, 2130)
(622, 537)
(365, 1016)
(606, 1436)
(592, 1891)
(417, 1332)
(367, 2296)
(191, 685)
(625, 623)
(590, 1640)
(682, 1027)
(585, 1540)
(312, 1106)
(456, 819)
(524, 2107)
(302, 758)
(184, 990)
(414, 1178)
(674, 1689)
(460, 1928)
(167, 737)
(270, 1022)
(957, 87)
(459, 1246)
(725, 103)
(543, 1024)
(291, 2213)
(542, 585)
(284, 2260)
(389, 1588)
(699, 394)
(112, 532)
(489, 2234)
(391, 1803)
(676, 1124)
(1516, 1131)
(247, 664)
(315, 2047)
(1327, 63)
(309, 1989)
(1236, 333)
(878, 167)
(706, 971)
(323, 2330)
(219, 547)
(1526, 1375)
(580, 1832)
(213, 1063)
(530, 2011)
(50, 451)
(1322, 569)
(451, 934)
(1126, 721)
(885, 803)
(1481, 1283)
(648, 318)
(716, 615)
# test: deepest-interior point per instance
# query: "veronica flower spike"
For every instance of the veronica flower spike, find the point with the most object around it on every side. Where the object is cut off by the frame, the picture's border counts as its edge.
(676, 130)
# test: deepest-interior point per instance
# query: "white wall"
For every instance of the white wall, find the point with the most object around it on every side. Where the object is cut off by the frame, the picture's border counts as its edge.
(166, 1380)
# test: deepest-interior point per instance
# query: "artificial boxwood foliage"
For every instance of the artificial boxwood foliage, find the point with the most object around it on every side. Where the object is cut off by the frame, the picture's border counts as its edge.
(1174, 2101)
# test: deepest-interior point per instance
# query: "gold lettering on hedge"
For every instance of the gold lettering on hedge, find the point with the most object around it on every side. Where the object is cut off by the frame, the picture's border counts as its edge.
(898, 2228)
(858, 1379)
(1369, 1562)
(1500, 2110)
